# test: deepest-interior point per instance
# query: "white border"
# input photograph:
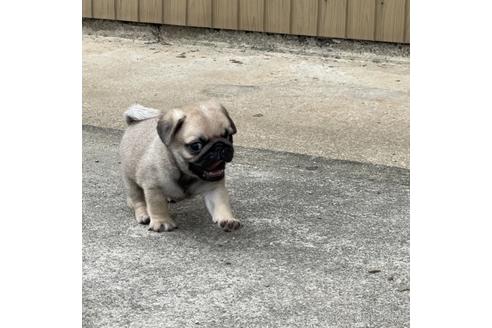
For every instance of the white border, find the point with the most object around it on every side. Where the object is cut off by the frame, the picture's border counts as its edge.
(450, 164)
(40, 236)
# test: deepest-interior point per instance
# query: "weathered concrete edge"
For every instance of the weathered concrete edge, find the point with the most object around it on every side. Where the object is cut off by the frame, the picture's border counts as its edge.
(311, 158)
(272, 42)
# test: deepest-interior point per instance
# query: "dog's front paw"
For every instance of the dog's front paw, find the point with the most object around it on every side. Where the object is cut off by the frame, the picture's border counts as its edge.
(228, 224)
(160, 226)
(141, 215)
(143, 218)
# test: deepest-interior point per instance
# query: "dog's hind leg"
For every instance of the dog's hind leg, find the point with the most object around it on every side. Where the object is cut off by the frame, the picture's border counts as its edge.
(136, 201)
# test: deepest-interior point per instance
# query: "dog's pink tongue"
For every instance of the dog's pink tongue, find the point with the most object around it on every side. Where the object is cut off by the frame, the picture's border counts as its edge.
(214, 166)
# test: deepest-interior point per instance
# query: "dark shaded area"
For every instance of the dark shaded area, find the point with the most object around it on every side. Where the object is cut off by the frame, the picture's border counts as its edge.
(324, 243)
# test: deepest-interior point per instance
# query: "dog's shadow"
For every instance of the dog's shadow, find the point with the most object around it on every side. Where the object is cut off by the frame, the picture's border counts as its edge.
(193, 219)
(194, 223)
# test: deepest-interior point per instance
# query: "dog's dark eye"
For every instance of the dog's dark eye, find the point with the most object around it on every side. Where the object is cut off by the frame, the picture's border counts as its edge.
(195, 147)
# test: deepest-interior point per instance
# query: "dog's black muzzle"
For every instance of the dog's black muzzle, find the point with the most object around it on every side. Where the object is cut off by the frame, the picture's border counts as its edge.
(210, 165)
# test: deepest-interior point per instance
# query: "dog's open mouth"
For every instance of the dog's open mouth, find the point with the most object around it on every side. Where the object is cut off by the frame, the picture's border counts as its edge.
(213, 172)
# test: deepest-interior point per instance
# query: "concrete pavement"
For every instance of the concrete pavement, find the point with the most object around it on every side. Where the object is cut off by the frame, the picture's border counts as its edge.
(324, 243)
(320, 181)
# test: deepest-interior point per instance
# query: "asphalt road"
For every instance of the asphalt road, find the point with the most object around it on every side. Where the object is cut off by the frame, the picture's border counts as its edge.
(324, 243)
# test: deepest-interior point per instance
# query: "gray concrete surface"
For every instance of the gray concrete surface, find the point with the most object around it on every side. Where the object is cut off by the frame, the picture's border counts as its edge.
(330, 98)
(324, 243)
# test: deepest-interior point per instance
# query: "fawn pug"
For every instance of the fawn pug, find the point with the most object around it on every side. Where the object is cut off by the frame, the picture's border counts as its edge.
(175, 154)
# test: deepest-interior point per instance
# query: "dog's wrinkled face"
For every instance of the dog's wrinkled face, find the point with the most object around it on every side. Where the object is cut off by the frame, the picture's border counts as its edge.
(200, 138)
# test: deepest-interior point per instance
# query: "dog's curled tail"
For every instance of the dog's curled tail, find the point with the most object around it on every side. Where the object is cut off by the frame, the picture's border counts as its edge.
(136, 113)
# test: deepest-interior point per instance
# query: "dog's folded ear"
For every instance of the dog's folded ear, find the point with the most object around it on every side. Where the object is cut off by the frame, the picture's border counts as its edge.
(169, 124)
(231, 122)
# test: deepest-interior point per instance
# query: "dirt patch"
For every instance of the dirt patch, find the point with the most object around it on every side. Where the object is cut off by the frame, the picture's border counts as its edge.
(316, 99)
(228, 90)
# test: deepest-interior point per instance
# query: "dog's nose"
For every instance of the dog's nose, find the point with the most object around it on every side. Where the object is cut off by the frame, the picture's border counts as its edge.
(227, 153)
(221, 152)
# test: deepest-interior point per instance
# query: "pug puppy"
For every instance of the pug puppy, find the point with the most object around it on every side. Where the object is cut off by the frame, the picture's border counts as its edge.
(176, 154)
